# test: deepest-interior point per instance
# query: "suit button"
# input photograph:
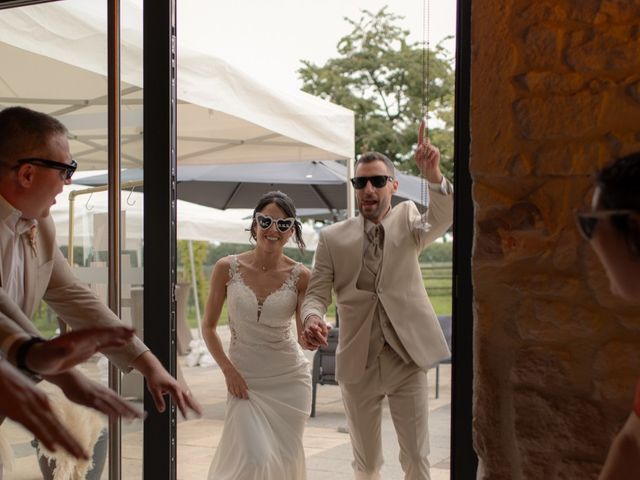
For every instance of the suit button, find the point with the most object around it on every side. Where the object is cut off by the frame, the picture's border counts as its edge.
(374, 297)
(380, 290)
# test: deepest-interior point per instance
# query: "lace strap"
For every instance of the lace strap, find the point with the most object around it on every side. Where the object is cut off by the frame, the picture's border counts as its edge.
(233, 266)
(295, 274)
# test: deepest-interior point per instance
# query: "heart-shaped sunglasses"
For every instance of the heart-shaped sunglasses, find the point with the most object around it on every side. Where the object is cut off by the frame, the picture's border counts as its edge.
(282, 224)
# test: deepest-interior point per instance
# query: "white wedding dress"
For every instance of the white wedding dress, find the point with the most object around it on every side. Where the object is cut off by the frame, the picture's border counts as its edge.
(262, 436)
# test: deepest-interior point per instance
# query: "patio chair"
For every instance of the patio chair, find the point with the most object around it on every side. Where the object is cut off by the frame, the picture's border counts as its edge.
(324, 366)
(446, 325)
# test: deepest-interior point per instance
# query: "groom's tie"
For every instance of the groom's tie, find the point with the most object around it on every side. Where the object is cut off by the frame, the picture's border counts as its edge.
(373, 253)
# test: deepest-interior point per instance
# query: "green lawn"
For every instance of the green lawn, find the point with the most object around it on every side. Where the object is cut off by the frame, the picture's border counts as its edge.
(435, 276)
(437, 279)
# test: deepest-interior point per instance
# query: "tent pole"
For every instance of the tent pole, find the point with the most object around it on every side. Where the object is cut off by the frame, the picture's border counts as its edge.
(70, 245)
(350, 192)
(196, 300)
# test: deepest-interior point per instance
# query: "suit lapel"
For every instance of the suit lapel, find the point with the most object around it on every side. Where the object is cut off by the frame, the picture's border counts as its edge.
(389, 223)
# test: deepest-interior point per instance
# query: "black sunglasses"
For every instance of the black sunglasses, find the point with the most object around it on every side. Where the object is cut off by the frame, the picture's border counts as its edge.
(587, 221)
(282, 224)
(67, 168)
(377, 181)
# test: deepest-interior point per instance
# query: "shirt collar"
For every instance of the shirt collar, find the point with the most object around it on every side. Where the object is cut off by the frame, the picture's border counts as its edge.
(12, 218)
(368, 224)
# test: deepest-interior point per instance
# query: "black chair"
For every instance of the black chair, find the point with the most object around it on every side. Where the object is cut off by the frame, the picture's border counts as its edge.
(324, 366)
(446, 325)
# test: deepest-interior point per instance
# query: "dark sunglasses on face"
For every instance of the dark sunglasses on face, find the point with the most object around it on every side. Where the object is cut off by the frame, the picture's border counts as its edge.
(282, 224)
(67, 168)
(377, 181)
(587, 221)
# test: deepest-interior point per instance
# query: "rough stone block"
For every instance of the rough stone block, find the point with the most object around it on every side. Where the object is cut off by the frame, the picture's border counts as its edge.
(549, 322)
(619, 11)
(541, 47)
(557, 423)
(569, 469)
(608, 50)
(552, 83)
(564, 252)
(539, 12)
(543, 367)
(570, 158)
(616, 370)
(501, 232)
(558, 117)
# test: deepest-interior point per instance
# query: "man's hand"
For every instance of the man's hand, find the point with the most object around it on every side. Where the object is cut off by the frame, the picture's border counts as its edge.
(160, 383)
(22, 402)
(64, 352)
(428, 158)
(304, 343)
(83, 391)
(316, 332)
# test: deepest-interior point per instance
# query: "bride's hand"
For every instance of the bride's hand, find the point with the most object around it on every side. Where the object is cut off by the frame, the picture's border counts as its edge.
(235, 383)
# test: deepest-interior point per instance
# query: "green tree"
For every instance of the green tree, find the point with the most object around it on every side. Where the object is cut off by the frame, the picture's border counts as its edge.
(379, 75)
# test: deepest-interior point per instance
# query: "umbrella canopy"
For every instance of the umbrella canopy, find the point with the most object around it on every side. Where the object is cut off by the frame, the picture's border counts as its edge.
(194, 222)
(54, 60)
(311, 185)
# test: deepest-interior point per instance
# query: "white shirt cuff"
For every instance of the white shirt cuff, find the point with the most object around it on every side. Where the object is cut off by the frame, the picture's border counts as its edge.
(441, 187)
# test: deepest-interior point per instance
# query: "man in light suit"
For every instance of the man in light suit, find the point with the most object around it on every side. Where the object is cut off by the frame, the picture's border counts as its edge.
(389, 333)
(35, 164)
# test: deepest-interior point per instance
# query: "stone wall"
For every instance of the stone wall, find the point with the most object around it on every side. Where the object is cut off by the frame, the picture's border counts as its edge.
(555, 95)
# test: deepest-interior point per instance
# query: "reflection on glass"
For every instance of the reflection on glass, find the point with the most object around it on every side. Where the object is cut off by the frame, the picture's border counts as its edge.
(54, 61)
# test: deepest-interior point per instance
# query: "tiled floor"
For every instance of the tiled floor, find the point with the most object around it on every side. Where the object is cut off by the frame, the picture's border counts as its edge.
(326, 445)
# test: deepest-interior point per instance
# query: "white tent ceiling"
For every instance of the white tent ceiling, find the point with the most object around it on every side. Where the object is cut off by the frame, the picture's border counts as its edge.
(54, 60)
(194, 222)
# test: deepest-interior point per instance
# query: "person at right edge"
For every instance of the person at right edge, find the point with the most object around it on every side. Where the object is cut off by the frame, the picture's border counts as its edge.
(612, 228)
(389, 333)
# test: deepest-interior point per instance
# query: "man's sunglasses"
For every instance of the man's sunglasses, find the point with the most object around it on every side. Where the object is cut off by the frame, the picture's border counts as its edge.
(282, 224)
(377, 181)
(587, 221)
(67, 168)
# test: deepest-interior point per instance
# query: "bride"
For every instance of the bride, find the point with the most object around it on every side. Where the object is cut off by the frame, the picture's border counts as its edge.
(267, 375)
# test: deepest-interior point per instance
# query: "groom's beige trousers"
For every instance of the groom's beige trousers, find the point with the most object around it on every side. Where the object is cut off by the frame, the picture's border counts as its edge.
(405, 385)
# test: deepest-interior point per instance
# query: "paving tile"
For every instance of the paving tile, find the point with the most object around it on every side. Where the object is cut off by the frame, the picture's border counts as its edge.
(328, 450)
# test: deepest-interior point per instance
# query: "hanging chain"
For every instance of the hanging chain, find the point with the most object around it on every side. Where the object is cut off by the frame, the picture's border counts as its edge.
(425, 60)
(424, 123)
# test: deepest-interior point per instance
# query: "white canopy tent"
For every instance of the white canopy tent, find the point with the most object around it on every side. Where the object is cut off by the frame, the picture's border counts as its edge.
(195, 222)
(54, 60)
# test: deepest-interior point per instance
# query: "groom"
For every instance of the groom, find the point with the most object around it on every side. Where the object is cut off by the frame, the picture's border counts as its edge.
(389, 333)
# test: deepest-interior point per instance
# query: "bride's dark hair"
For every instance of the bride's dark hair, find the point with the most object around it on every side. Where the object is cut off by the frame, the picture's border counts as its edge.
(285, 203)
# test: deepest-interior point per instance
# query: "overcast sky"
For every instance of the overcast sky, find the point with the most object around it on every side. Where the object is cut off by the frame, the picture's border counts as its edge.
(267, 38)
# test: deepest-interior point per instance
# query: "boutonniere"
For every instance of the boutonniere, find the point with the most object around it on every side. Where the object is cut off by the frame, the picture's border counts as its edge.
(32, 239)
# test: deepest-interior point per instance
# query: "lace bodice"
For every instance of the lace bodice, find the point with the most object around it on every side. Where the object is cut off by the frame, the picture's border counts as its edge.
(267, 323)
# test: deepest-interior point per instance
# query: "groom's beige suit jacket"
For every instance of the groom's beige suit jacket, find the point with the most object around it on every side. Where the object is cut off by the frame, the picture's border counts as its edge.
(48, 276)
(399, 286)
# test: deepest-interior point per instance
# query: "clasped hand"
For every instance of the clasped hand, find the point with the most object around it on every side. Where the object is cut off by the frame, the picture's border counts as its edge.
(316, 332)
